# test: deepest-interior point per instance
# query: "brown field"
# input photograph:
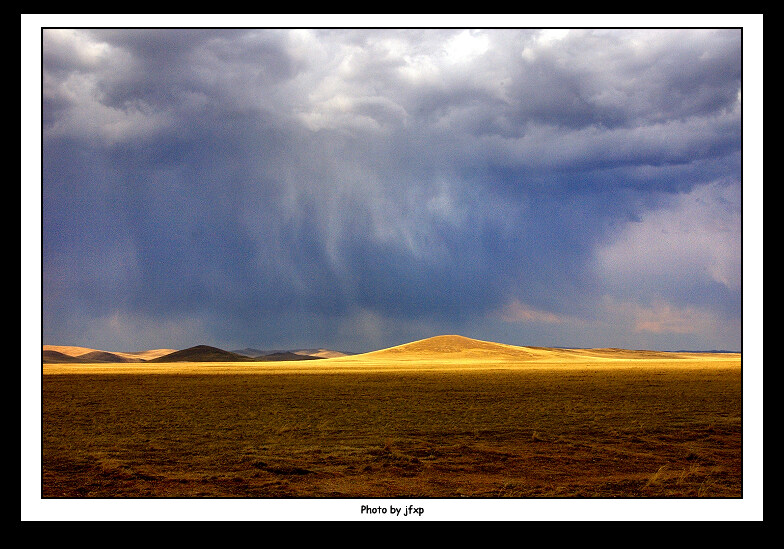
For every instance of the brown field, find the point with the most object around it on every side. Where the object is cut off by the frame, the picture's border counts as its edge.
(436, 420)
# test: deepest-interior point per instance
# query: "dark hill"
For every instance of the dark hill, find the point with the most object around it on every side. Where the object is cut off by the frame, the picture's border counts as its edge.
(315, 353)
(104, 356)
(251, 352)
(286, 355)
(202, 353)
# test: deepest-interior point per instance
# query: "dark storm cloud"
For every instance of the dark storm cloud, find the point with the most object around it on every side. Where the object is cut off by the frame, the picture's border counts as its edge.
(253, 183)
(629, 79)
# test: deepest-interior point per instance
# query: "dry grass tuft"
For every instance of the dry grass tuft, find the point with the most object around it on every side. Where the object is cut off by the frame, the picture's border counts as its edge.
(536, 438)
(657, 476)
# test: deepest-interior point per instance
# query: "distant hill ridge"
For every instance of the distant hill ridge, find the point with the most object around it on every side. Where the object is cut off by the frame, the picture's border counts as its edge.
(286, 355)
(51, 356)
(202, 353)
(206, 353)
(54, 354)
(449, 347)
(56, 357)
(71, 352)
(319, 353)
(104, 356)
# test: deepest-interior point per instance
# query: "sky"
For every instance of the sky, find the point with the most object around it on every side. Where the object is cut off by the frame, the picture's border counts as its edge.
(356, 188)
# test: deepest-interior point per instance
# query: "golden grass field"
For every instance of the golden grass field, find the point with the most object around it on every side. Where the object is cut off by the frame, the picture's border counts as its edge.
(441, 418)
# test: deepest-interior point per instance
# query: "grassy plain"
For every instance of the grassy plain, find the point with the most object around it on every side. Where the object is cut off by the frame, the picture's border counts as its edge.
(601, 424)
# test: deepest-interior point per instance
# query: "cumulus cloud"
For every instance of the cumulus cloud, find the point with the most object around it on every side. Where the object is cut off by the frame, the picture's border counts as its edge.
(693, 238)
(661, 317)
(520, 312)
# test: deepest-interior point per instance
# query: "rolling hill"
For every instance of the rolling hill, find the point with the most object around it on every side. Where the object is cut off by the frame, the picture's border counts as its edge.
(104, 356)
(92, 356)
(253, 353)
(206, 353)
(443, 349)
(286, 355)
(460, 348)
(317, 353)
(56, 357)
(322, 353)
(68, 350)
(70, 353)
(451, 346)
(62, 354)
(202, 353)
